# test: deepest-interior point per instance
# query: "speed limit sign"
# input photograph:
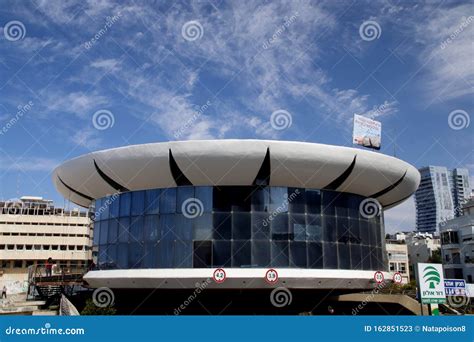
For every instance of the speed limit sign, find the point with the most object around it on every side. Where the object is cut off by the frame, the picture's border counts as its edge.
(397, 278)
(271, 276)
(378, 277)
(219, 275)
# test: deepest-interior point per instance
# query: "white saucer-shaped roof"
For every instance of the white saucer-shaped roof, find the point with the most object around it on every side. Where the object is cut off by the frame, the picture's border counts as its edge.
(236, 162)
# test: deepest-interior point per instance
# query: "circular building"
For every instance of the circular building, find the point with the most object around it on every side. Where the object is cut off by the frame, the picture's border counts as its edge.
(168, 215)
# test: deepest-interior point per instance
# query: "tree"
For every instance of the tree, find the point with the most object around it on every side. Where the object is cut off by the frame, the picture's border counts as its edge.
(435, 257)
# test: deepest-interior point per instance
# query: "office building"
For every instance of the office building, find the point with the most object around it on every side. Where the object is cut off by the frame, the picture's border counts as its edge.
(33, 230)
(457, 244)
(169, 215)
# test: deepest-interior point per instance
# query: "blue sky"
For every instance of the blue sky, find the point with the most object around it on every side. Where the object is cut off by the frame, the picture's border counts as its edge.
(163, 70)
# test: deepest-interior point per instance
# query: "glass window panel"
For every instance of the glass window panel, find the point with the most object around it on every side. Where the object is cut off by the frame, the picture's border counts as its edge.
(165, 254)
(152, 201)
(204, 194)
(104, 227)
(260, 226)
(261, 253)
(364, 232)
(315, 255)
(298, 227)
(222, 226)
(314, 228)
(241, 253)
(168, 201)
(122, 255)
(97, 210)
(261, 199)
(241, 226)
(202, 255)
(102, 258)
(365, 250)
(356, 257)
(203, 227)
(280, 254)
(341, 205)
(330, 255)
(138, 202)
(113, 231)
(353, 203)
(372, 233)
(135, 255)
(329, 226)
(296, 200)
(278, 200)
(313, 201)
(298, 254)
(184, 193)
(105, 209)
(114, 204)
(376, 231)
(222, 251)
(97, 225)
(152, 228)
(376, 259)
(168, 224)
(183, 228)
(329, 202)
(342, 229)
(136, 229)
(125, 203)
(279, 226)
(111, 260)
(354, 231)
(344, 256)
(183, 254)
(220, 199)
(124, 229)
(150, 260)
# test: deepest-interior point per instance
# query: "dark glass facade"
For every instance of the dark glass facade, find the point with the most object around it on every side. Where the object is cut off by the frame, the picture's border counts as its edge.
(236, 226)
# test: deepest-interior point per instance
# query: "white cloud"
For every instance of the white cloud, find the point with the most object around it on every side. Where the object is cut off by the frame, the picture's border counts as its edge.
(401, 217)
(87, 137)
(27, 164)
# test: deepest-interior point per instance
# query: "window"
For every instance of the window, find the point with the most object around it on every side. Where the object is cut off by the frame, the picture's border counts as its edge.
(202, 255)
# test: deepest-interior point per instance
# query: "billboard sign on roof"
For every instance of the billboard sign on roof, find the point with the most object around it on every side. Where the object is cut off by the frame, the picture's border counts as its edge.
(367, 132)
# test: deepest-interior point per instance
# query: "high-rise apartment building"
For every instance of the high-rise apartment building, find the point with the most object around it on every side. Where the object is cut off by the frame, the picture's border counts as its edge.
(460, 188)
(433, 199)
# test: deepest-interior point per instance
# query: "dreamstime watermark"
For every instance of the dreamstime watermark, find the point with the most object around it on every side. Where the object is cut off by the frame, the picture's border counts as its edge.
(369, 298)
(103, 297)
(459, 119)
(21, 111)
(281, 208)
(14, 30)
(104, 206)
(370, 30)
(192, 208)
(109, 22)
(458, 301)
(280, 30)
(280, 297)
(192, 30)
(192, 120)
(464, 24)
(199, 288)
(370, 208)
(103, 119)
(281, 119)
(46, 330)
